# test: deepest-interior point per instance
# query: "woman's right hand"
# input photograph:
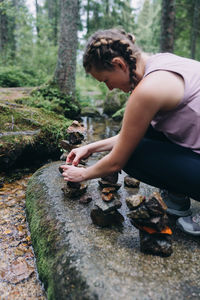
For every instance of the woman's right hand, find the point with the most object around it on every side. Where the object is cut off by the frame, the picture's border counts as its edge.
(77, 154)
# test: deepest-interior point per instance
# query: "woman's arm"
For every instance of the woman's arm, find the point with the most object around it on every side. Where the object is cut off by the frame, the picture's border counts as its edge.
(161, 91)
(85, 151)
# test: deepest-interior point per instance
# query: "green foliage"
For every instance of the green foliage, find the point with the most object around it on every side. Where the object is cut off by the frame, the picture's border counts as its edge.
(14, 76)
(49, 97)
(148, 26)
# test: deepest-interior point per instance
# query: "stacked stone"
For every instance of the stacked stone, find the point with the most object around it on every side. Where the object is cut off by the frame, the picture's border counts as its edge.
(75, 135)
(131, 182)
(149, 216)
(75, 190)
(105, 211)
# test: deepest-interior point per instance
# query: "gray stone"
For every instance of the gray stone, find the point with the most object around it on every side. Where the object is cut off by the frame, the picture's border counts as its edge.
(134, 201)
(107, 206)
(155, 204)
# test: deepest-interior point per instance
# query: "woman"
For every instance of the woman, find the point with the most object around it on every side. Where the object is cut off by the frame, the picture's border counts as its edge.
(159, 142)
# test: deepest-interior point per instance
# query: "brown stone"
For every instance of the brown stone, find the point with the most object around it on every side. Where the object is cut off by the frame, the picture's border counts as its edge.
(158, 223)
(134, 201)
(74, 185)
(75, 133)
(85, 199)
(104, 184)
(112, 177)
(65, 145)
(155, 204)
(157, 244)
(74, 192)
(108, 197)
(108, 190)
(131, 182)
(105, 219)
(140, 213)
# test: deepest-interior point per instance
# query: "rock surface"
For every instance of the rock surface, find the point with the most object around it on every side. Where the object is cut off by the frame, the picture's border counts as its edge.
(78, 260)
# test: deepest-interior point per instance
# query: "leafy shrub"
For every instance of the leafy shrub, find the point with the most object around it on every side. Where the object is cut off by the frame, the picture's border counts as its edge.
(13, 76)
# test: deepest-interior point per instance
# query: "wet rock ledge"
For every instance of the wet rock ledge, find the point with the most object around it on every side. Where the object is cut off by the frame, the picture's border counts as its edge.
(79, 260)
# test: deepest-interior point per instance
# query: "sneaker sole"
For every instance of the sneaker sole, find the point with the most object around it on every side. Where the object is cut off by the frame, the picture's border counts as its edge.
(187, 231)
(179, 213)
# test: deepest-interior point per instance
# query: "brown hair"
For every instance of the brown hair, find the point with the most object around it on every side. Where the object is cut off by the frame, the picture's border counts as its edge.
(104, 45)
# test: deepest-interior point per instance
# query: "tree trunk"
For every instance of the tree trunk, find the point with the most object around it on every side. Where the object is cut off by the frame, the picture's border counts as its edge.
(65, 73)
(167, 26)
(195, 28)
(53, 8)
(37, 8)
(3, 29)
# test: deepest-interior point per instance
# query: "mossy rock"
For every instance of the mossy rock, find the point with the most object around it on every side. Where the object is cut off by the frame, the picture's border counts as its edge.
(90, 111)
(118, 116)
(114, 101)
(29, 134)
(50, 97)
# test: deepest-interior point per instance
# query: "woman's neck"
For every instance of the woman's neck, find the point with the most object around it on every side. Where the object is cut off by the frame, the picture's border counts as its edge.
(141, 64)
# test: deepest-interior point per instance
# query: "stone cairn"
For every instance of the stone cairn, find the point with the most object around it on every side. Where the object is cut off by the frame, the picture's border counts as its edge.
(149, 216)
(75, 136)
(105, 211)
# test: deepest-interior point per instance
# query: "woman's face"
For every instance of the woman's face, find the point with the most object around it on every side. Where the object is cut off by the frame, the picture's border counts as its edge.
(116, 78)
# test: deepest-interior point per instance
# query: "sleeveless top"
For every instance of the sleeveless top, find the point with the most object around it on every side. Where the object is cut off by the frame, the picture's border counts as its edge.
(182, 124)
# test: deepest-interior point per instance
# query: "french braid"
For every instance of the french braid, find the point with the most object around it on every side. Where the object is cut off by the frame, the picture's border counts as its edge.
(104, 45)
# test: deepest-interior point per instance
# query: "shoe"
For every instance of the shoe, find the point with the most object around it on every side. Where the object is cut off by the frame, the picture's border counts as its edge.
(178, 206)
(190, 224)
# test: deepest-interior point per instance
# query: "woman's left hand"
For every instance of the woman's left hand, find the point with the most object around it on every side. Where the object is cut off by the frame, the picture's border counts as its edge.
(74, 174)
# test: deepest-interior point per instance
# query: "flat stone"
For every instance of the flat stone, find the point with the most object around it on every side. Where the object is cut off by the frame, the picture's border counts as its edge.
(134, 201)
(140, 213)
(103, 220)
(74, 185)
(107, 207)
(157, 244)
(104, 184)
(158, 223)
(131, 182)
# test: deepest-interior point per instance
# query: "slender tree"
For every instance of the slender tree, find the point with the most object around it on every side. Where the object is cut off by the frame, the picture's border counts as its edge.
(3, 27)
(167, 26)
(195, 27)
(66, 64)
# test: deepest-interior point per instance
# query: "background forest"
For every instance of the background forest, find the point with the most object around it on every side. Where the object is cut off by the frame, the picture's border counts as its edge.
(29, 43)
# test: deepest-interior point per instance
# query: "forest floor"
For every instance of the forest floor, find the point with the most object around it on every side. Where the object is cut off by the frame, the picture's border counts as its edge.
(18, 274)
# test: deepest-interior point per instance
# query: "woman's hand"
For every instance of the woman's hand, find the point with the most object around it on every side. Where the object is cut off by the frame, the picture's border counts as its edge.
(74, 174)
(77, 154)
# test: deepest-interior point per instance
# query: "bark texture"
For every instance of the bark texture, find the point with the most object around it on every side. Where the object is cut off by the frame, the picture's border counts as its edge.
(65, 73)
(167, 26)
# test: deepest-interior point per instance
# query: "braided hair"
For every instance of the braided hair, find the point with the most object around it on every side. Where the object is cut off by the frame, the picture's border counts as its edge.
(104, 45)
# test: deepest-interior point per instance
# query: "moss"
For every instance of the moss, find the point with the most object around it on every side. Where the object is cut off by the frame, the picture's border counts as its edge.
(51, 128)
(51, 98)
(61, 281)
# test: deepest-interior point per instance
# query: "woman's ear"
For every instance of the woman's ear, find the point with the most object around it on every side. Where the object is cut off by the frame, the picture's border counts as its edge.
(119, 62)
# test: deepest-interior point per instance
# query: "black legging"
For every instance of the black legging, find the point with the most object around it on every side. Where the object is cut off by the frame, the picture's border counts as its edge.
(163, 164)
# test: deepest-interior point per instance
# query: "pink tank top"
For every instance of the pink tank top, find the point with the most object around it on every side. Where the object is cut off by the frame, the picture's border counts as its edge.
(182, 124)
